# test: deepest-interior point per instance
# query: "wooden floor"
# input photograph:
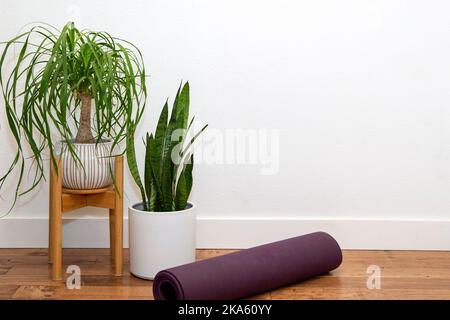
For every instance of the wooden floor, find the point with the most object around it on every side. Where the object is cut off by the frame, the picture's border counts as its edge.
(24, 274)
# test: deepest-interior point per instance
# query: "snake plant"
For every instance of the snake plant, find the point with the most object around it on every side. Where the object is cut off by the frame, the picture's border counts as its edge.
(51, 83)
(169, 158)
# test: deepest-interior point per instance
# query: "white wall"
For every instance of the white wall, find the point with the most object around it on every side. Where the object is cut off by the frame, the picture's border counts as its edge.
(359, 91)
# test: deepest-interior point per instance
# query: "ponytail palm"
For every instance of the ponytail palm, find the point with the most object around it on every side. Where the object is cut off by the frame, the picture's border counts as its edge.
(56, 79)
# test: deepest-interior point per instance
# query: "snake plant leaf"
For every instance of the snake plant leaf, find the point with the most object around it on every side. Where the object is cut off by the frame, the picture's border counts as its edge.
(182, 111)
(154, 151)
(175, 104)
(148, 169)
(156, 148)
(191, 142)
(185, 153)
(152, 184)
(162, 122)
(160, 135)
(184, 185)
(166, 178)
(131, 160)
(167, 165)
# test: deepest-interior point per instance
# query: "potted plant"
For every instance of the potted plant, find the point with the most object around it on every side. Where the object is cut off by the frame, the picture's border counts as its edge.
(86, 88)
(162, 225)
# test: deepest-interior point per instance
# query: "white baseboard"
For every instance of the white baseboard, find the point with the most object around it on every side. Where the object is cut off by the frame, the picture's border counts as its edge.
(245, 232)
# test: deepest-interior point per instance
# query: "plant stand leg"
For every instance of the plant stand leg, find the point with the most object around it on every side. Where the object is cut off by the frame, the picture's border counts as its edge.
(112, 235)
(118, 217)
(50, 216)
(57, 223)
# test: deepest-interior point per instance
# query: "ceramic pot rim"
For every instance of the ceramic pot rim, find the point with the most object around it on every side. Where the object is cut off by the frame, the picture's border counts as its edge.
(104, 141)
(133, 210)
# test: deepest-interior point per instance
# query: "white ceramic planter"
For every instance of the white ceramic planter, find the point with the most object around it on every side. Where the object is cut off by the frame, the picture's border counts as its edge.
(160, 240)
(98, 165)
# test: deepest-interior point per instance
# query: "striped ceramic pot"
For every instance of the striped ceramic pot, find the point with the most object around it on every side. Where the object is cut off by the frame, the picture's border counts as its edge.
(96, 170)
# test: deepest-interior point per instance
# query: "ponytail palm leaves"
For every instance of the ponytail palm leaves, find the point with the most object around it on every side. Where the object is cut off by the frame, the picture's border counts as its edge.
(54, 82)
(169, 158)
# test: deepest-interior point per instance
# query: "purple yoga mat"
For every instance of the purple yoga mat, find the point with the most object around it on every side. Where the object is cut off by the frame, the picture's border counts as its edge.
(248, 272)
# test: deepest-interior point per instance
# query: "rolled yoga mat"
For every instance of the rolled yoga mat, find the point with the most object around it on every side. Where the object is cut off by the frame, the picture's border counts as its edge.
(248, 272)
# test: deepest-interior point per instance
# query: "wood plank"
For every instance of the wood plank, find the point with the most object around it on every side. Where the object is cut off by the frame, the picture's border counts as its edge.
(4, 269)
(8, 291)
(86, 191)
(72, 201)
(101, 200)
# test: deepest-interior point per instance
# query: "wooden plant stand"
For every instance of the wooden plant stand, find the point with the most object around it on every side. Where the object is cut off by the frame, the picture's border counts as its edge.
(63, 200)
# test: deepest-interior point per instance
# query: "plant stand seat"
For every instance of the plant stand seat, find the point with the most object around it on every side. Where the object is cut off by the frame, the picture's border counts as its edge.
(63, 200)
